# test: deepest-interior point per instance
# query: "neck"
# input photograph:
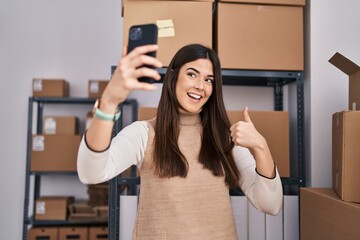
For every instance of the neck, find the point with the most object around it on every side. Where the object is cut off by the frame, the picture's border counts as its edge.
(187, 118)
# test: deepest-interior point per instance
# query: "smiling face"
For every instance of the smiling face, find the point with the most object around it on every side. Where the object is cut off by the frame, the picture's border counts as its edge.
(195, 85)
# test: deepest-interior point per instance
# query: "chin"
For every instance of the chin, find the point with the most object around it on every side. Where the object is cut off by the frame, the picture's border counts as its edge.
(192, 111)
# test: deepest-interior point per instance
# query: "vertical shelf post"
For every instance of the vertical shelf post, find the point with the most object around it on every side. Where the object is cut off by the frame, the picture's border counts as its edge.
(300, 129)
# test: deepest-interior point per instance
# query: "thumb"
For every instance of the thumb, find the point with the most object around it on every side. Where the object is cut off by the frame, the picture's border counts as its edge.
(124, 52)
(246, 115)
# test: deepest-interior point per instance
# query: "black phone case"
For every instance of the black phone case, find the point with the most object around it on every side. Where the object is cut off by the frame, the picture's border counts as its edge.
(149, 35)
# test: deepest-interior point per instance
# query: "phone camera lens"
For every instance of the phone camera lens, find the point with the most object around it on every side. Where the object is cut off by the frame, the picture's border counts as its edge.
(136, 34)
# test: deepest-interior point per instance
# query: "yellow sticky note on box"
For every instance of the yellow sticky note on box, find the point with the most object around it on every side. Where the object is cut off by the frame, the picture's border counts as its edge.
(166, 28)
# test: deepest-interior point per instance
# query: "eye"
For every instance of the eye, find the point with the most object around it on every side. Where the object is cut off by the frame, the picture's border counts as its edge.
(209, 80)
(191, 74)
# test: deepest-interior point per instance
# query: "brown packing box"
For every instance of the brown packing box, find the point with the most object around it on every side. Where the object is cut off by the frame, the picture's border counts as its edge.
(54, 153)
(176, 22)
(146, 113)
(81, 211)
(50, 87)
(260, 37)
(345, 155)
(275, 129)
(48, 233)
(275, 2)
(353, 71)
(324, 216)
(52, 208)
(96, 88)
(98, 233)
(60, 125)
(78, 233)
(274, 126)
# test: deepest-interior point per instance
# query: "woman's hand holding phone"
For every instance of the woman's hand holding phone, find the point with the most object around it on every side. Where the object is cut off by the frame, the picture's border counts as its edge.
(130, 68)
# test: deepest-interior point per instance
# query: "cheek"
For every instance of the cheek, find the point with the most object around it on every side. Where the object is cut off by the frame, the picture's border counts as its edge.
(209, 91)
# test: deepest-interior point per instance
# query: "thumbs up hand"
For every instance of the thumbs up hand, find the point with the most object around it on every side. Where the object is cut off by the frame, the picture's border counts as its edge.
(244, 133)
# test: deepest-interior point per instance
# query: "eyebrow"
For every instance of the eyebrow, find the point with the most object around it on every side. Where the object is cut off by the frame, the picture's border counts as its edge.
(197, 71)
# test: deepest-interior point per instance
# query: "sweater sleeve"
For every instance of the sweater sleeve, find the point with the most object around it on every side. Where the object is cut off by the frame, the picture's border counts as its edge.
(265, 194)
(126, 149)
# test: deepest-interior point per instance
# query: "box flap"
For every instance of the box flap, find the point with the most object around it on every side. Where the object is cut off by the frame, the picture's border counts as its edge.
(344, 64)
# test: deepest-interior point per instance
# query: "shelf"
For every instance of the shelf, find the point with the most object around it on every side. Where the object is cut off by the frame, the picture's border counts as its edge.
(65, 223)
(39, 103)
(70, 100)
(65, 100)
(253, 77)
(52, 173)
(128, 181)
(239, 77)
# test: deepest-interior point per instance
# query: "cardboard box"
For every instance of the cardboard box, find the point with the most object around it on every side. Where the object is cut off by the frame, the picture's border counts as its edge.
(146, 113)
(324, 216)
(353, 71)
(50, 87)
(274, 127)
(98, 233)
(78, 233)
(60, 125)
(345, 155)
(54, 153)
(52, 208)
(274, 2)
(260, 37)
(96, 88)
(176, 22)
(48, 233)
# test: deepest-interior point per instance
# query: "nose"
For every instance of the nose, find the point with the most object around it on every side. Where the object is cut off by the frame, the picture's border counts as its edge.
(199, 84)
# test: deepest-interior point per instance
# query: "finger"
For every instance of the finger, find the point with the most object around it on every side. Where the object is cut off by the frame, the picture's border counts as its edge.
(145, 86)
(124, 52)
(141, 50)
(232, 128)
(246, 115)
(145, 60)
(147, 72)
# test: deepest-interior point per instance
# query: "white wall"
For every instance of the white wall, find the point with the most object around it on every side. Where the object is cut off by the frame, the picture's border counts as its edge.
(76, 40)
(79, 40)
(334, 27)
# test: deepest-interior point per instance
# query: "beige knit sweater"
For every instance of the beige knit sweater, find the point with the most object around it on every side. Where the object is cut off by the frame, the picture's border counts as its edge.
(195, 207)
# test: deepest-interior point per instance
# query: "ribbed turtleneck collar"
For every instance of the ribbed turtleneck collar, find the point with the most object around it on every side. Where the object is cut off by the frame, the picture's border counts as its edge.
(189, 118)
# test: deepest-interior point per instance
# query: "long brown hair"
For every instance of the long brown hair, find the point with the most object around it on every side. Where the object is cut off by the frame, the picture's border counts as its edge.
(216, 147)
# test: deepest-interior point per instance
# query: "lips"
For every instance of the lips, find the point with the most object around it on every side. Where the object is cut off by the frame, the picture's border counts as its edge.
(194, 96)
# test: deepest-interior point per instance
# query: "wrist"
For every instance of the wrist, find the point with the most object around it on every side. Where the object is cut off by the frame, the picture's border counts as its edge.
(107, 106)
(105, 112)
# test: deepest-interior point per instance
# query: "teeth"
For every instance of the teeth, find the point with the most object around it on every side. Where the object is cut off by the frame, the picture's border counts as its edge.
(194, 95)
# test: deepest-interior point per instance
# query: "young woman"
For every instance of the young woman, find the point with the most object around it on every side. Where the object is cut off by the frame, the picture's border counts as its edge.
(188, 156)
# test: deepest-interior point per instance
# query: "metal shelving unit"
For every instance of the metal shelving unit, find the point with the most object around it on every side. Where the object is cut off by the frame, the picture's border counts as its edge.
(41, 102)
(275, 79)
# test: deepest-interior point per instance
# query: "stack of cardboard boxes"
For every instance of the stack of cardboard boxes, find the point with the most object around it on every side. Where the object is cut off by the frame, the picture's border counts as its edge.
(335, 213)
(55, 150)
(65, 233)
(248, 34)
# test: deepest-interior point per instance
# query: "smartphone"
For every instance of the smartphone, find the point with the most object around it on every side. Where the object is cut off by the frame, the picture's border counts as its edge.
(143, 35)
